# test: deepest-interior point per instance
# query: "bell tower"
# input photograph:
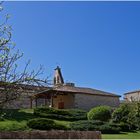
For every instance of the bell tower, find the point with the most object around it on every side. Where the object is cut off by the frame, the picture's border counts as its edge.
(58, 78)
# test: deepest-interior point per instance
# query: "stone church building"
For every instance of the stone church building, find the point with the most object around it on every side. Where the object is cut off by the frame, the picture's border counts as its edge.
(64, 95)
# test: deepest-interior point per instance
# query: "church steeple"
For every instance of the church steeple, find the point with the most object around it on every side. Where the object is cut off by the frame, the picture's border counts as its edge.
(58, 78)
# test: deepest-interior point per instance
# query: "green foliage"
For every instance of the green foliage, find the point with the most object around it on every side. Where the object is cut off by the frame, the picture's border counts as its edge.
(95, 125)
(109, 129)
(18, 114)
(121, 113)
(8, 125)
(85, 125)
(61, 114)
(44, 124)
(2, 115)
(40, 123)
(124, 127)
(128, 115)
(135, 115)
(15, 119)
(102, 113)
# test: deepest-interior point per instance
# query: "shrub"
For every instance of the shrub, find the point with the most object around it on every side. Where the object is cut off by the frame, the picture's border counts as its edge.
(61, 114)
(44, 124)
(113, 124)
(85, 125)
(41, 123)
(2, 116)
(124, 127)
(108, 129)
(104, 127)
(102, 113)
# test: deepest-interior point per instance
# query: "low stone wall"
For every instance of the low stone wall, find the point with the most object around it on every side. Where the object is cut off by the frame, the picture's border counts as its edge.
(60, 134)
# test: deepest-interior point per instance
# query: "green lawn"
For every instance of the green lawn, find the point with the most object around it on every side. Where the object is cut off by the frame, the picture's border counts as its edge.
(131, 135)
(17, 120)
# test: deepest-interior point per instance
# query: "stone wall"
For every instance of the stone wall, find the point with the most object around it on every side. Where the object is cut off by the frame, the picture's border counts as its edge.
(68, 100)
(59, 134)
(81, 101)
(87, 101)
(22, 101)
(25, 102)
(134, 96)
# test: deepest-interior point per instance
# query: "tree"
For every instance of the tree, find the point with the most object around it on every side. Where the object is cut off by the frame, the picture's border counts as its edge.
(128, 113)
(10, 78)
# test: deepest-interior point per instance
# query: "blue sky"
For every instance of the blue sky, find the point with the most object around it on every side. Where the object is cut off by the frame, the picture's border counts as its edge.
(96, 44)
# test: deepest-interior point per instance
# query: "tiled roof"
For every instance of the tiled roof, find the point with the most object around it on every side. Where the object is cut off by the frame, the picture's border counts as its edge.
(81, 90)
(132, 92)
(65, 88)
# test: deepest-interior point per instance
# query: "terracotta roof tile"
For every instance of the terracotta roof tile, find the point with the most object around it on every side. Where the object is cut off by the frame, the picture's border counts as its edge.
(80, 90)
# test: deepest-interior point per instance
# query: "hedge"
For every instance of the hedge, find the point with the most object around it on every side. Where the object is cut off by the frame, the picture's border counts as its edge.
(104, 127)
(44, 124)
(61, 114)
(85, 125)
(108, 129)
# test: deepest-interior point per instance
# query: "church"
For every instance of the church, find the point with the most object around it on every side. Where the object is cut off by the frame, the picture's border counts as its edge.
(64, 96)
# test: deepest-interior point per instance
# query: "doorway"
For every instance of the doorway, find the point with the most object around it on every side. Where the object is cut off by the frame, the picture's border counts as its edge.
(61, 105)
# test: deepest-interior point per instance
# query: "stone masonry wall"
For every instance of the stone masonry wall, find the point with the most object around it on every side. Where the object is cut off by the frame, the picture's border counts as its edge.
(67, 99)
(22, 101)
(135, 96)
(81, 101)
(87, 101)
(54, 134)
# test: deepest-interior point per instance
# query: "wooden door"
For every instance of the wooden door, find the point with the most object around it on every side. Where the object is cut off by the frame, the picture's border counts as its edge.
(61, 105)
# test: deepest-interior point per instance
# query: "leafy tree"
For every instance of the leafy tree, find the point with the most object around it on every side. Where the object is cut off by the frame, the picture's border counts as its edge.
(10, 77)
(121, 113)
(134, 115)
(128, 114)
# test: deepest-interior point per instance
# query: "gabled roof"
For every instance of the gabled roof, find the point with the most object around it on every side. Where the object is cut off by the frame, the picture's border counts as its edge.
(84, 90)
(80, 90)
(131, 92)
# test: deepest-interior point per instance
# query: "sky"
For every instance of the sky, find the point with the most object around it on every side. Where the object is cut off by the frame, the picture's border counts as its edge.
(96, 44)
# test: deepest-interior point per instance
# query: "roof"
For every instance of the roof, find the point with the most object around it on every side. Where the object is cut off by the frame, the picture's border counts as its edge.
(80, 90)
(131, 92)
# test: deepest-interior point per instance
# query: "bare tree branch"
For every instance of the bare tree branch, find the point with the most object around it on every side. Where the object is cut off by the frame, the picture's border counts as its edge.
(10, 78)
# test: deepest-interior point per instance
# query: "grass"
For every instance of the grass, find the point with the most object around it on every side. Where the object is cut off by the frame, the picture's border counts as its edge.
(130, 135)
(13, 125)
(65, 123)
(18, 114)
(16, 119)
